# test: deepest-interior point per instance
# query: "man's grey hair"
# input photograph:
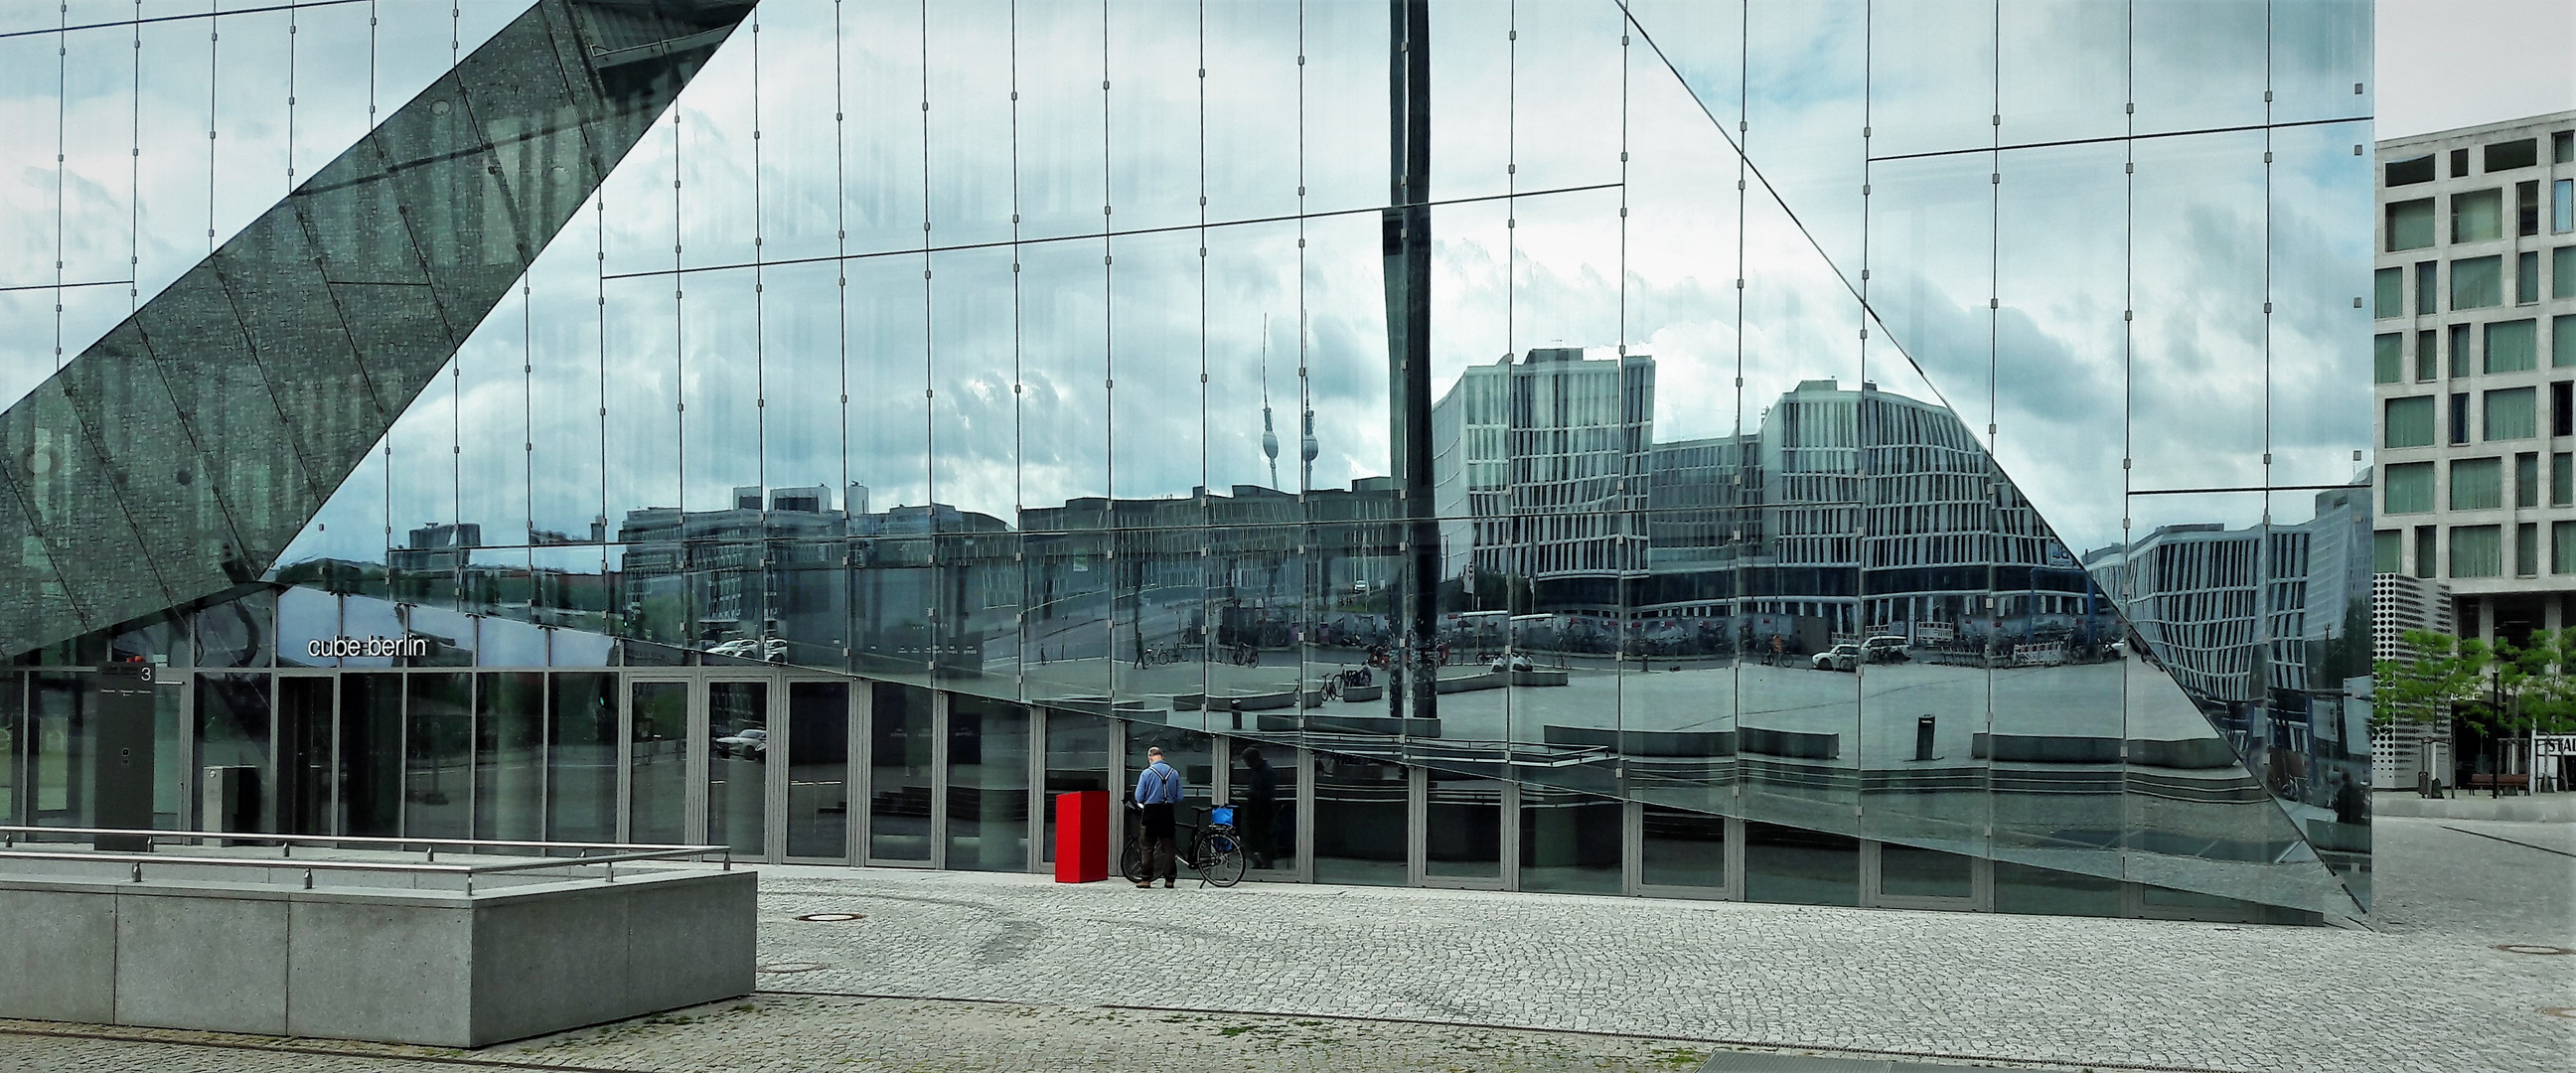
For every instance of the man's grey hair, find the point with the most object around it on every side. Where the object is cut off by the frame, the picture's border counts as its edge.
(1153, 750)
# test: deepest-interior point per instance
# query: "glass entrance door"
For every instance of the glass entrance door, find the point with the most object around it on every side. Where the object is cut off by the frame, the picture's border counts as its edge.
(737, 779)
(657, 760)
(817, 770)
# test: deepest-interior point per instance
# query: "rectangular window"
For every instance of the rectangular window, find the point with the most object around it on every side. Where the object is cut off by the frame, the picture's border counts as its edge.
(2425, 556)
(2526, 480)
(2387, 357)
(2562, 206)
(2408, 488)
(2477, 483)
(2410, 422)
(2562, 272)
(2459, 417)
(2459, 163)
(2562, 479)
(2519, 153)
(2526, 207)
(2459, 350)
(2477, 551)
(2526, 277)
(2477, 282)
(2427, 356)
(2387, 549)
(2410, 171)
(2562, 547)
(2428, 288)
(2510, 414)
(2562, 416)
(2477, 216)
(2510, 345)
(2388, 292)
(2526, 549)
(2562, 147)
(2410, 224)
(2562, 340)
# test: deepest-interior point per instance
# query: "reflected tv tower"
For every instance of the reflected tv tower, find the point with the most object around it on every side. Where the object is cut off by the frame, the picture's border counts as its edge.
(1306, 449)
(1269, 436)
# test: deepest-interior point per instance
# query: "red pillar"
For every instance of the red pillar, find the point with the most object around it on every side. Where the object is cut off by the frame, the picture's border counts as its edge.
(1082, 836)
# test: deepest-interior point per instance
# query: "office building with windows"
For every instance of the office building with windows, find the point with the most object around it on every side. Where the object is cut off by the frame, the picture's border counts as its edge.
(2474, 334)
(833, 429)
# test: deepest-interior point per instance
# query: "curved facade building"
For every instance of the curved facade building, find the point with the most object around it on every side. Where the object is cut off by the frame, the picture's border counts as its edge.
(1863, 452)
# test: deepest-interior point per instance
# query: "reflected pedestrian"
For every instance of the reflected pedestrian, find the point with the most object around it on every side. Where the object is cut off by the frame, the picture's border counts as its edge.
(1158, 791)
(1262, 796)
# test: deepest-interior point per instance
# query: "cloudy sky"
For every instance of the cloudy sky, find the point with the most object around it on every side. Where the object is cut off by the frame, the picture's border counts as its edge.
(2460, 63)
(2083, 311)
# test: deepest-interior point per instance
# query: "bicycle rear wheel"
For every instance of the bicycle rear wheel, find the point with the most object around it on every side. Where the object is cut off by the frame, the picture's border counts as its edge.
(1131, 862)
(1220, 859)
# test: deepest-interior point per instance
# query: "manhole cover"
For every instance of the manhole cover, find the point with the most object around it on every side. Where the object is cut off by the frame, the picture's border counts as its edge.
(2528, 948)
(831, 918)
(785, 967)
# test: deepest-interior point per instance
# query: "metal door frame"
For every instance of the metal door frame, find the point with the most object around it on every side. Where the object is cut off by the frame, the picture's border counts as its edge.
(773, 794)
(1981, 885)
(1417, 834)
(277, 746)
(782, 744)
(627, 680)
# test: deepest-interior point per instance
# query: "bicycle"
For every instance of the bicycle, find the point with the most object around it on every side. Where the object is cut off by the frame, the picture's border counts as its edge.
(1215, 851)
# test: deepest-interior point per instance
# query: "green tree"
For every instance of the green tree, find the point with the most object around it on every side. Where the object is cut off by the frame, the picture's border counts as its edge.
(2502, 688)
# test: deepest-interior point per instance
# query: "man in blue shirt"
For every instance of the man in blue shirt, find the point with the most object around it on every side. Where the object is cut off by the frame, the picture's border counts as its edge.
(1159, 791)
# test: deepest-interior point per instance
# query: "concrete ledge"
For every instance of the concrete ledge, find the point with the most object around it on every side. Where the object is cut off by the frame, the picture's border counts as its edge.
(437, 968)
(2476, 805)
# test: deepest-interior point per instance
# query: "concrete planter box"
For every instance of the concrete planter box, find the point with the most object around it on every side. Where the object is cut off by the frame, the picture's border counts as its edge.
(436, 968)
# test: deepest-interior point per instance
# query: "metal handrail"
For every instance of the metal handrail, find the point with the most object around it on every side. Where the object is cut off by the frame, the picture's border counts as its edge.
(136, 861)
(262, 836)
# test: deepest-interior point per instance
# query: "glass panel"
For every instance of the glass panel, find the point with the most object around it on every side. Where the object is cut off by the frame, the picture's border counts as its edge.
(1787, 864)
(1265, 793)
(1570, 842)
(1462, 826)
(988, 785)
(2512, 345)
(1360, 808)
(2477, 551)
(2387, 292)
(1188, 752)
(13, 733)
(818, 770)
(2477, 282)
(2023, 889)
(1682, 849)
(1077, 759)
(899, 770)
(371, 755)
(233, 732)
(738, 765)
(510, 757)
(2477, 216)
(2511, 414)
(2410, 422)
(657, 756)
(305, 758)
(2410, 224)
(438, 751)
(581, 758)
(1913, 872)
(2387, 358)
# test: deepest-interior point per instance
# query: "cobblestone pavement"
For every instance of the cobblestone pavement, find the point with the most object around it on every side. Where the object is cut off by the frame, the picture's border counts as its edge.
(1079, 976)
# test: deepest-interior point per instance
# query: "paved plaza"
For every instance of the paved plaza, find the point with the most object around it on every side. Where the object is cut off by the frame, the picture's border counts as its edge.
(961, 971)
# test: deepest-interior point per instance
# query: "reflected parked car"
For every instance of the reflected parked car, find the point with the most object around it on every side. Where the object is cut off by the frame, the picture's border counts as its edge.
(1518, 662)
(768, 649)
(1841, 657)
(749, 743)
(1885, 648)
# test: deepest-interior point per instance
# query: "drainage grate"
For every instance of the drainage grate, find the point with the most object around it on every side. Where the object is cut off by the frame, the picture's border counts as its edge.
(831, 918)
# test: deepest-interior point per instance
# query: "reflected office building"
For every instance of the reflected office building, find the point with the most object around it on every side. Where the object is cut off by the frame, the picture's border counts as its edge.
(1859, 453)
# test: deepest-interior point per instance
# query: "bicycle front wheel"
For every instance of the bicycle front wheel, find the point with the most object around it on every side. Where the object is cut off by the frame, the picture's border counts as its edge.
(1220, 857)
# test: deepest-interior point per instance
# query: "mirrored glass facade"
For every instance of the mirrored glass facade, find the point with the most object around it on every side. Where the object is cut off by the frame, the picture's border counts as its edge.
(1853, 452)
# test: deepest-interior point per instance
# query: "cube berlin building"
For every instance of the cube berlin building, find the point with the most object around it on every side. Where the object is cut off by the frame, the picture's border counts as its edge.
(1862, 452)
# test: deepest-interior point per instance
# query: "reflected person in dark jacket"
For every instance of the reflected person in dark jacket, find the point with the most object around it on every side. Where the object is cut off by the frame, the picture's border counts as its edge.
(1261, 797)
